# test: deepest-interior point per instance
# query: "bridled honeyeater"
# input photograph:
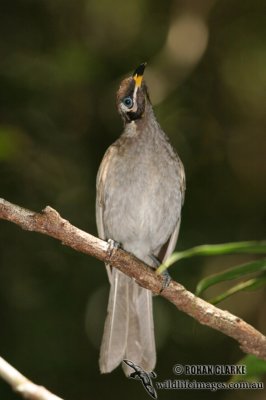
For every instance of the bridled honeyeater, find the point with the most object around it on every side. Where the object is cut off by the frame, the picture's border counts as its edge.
(140, 192)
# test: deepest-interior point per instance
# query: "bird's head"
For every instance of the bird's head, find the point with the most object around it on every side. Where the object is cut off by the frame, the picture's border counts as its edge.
(132, 96)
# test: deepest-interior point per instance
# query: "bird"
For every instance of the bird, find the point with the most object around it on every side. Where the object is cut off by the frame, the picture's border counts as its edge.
(140, 189)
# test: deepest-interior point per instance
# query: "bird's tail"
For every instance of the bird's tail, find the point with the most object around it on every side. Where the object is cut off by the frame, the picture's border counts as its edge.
(128, 331)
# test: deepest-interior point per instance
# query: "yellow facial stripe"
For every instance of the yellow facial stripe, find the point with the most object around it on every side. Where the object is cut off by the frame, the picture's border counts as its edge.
(138, 80)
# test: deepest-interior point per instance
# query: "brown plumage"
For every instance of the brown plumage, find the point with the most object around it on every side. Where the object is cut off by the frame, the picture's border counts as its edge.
(140, 192)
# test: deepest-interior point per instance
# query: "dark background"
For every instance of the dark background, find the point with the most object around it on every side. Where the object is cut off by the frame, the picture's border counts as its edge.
(60, 66)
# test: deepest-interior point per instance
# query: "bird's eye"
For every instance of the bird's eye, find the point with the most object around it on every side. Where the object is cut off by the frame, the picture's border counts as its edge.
(128, 102)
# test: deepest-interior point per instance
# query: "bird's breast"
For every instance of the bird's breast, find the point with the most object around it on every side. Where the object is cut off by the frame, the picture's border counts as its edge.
(142, 195)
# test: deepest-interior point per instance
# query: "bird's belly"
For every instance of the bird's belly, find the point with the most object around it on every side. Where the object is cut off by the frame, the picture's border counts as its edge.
(143, 213)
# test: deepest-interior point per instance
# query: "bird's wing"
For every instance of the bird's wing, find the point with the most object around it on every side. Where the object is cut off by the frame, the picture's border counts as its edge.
(168, 248)
(100, 186)
(100, 190)
(182, 180)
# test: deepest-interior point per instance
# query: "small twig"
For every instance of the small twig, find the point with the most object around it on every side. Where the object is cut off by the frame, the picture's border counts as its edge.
(23, 385)
(50, 223)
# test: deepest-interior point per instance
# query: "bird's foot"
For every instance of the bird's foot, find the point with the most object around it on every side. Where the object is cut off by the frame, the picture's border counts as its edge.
(112, 245)
(165, 275)
(166, 280)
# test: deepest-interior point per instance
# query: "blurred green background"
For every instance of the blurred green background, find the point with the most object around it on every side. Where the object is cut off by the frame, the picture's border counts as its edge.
(60, 66)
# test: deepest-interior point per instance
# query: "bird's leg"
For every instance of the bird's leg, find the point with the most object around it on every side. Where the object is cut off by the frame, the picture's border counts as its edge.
(166, 276)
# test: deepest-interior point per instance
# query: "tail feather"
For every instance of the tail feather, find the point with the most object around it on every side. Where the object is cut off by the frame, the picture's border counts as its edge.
(128, 330)
(115, 334)
(140, 341)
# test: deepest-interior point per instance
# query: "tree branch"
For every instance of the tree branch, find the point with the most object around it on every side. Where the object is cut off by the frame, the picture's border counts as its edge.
(23, 385)
(50, 223)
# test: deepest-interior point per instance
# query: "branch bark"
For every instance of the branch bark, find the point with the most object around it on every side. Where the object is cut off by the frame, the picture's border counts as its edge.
(23, 385)
(50, 223)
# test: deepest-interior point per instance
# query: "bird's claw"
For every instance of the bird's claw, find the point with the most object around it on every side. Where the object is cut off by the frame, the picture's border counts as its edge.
(112, 245)
(166, 280)
(166, 276)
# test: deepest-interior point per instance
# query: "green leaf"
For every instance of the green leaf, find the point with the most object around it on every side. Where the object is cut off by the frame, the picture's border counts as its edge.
(250, 247)
(255, 367)
(231, 273)
(251, 284)
(10, 142)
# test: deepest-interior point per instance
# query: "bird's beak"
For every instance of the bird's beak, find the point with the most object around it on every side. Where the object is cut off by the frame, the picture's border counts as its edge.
(138, 74)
